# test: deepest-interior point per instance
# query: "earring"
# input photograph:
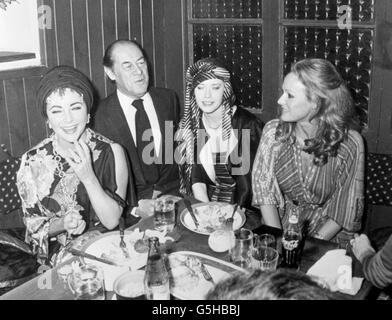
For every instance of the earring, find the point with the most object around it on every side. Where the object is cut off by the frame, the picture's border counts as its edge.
(49, 125)
(88, 118)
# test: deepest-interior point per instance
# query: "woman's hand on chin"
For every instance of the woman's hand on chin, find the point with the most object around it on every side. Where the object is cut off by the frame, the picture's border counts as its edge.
(80, 162)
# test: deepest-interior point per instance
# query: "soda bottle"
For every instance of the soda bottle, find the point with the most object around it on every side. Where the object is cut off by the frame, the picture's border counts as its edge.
(292, 243)
(156, 278)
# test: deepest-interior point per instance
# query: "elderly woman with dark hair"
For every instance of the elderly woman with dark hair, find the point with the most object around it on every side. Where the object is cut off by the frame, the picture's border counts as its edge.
(220, 138)
(74, 180)
(311, 160)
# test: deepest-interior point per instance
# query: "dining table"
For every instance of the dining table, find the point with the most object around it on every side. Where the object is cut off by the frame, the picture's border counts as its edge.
(50, 286)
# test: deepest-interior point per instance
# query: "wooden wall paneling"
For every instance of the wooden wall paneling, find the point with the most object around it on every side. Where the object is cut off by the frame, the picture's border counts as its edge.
(159, 35)
(148, 37)
(122, 13)
(136, 25)
(81, 34)
(16, 110)
(383, 70)
(50, 37)
(376, 87)
(4, 120)
(174, 48)
(64, 34)
(37, 123)
(109, 33)
(96, 46)
(42, 38)
(272, 52)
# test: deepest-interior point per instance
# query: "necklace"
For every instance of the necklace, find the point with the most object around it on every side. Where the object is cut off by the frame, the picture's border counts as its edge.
(68, 183)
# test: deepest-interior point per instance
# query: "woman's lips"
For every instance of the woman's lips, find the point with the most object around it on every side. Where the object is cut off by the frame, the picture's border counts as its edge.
(70, 130)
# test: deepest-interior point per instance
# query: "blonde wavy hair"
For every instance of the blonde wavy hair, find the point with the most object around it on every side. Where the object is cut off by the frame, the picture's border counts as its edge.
(335, 113)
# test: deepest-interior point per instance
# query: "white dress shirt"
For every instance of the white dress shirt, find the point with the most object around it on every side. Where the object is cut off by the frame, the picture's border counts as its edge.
(130, 112)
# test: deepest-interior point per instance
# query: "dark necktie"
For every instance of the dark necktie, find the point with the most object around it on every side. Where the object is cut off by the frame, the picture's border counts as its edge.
(142, 123)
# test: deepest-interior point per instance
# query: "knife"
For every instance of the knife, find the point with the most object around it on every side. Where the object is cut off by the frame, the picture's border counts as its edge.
(90, 256)
(190, 209)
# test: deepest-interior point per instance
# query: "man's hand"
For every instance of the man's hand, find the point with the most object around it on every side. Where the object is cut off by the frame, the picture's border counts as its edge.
(361, 247)
(145, 208)
(156, 194)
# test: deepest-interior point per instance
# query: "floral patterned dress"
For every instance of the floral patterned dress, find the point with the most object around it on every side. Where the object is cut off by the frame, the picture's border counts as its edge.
(50, 189)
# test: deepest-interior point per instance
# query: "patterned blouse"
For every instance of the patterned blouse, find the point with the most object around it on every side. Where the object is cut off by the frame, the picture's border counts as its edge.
(334, 190)
(50, 189)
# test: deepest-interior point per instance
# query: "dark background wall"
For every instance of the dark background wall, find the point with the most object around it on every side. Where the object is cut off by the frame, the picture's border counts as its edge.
(81, 30)
(172, 38)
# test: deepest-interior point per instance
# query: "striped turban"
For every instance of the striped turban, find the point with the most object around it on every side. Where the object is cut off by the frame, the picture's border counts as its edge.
(202, 70)
(61, 78)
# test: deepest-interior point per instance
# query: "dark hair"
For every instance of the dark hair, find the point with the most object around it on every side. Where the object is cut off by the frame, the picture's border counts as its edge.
(61, 78)
(108, 59)
(282, 284)
(335, 113)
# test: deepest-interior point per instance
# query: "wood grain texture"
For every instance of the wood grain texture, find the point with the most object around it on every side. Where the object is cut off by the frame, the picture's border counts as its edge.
(16, 110)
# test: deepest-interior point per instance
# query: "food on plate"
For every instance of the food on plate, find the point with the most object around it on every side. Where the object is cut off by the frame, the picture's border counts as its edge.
(141, 245)
(109, 248)
(213, 216)
(183, 279)
(186, 277)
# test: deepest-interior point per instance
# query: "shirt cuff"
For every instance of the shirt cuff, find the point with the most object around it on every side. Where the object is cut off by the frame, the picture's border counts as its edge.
(134, 213)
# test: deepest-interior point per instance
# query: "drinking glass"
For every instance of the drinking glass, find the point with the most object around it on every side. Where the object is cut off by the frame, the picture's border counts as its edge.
(86, 283)
(264, 258)
(164, 214)
(266, 240)
(241, 253)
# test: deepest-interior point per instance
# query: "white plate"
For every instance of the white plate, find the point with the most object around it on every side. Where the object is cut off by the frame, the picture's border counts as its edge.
(206, 217)
(107, 245)
(186, 284)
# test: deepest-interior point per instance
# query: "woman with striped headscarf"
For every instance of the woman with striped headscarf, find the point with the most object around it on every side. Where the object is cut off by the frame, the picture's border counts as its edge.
(75, 179)
(218, 139)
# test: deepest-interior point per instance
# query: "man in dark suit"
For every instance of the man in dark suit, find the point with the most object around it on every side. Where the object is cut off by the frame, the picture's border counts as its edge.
(143, 120)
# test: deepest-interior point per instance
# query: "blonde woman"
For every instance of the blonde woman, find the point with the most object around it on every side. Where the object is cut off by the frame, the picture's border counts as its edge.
(311, 159)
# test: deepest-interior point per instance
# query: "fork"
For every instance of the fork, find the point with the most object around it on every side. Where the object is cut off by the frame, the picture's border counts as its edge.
(123, 245)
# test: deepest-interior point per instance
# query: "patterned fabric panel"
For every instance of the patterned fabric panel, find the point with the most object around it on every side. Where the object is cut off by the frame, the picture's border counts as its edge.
(349, 50)
(379, 179)
(361, 10)
(9, 197)
(216, 9)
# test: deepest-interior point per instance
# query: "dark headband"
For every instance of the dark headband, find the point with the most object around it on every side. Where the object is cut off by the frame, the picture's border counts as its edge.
(63, 77)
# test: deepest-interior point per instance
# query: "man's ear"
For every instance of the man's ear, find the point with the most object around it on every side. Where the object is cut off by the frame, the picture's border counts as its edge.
(109, 73)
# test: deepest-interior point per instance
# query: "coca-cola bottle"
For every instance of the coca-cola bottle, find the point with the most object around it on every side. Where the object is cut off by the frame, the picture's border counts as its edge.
(292, 243)
(156, 279)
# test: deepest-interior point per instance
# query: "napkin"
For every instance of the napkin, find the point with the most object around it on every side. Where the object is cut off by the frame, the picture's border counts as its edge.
(335, 268)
